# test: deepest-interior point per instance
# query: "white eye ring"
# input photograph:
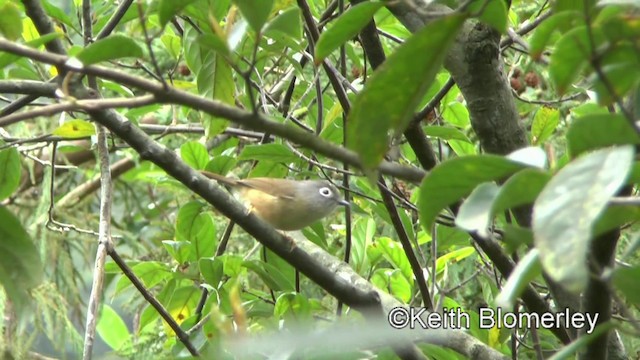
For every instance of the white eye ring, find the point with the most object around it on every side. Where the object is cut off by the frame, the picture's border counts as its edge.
(325, 191)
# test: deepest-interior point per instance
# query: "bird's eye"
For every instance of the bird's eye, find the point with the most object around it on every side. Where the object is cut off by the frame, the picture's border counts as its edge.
(325, 191)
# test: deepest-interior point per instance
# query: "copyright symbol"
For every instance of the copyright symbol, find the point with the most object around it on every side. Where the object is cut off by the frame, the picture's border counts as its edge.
(398, 317)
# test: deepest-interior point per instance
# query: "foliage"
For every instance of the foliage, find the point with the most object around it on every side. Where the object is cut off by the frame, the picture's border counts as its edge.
(295, 101)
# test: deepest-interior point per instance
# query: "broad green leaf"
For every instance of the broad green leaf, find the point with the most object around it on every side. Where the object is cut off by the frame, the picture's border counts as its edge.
(453, 257)
(543, 32)
(571, 55)
(194, 154)
(10, 20)
(111, 328)
(182, 304)
(292, 305)
(515, 237)
(59, 14)
(615, 216)
(256, 12)
(203, 236)
(74, 129)
(494, 13)
(271, 276)
(400, 287)
(611, 129)
(186, 221)
(621, 68)
(446, 133)
(625, 280)
(456, 178)
(10, 172)
(456, 114)
(20, 265)
(521, 189)
(213, 42)
(395, 255)
(110, 48)
(151, 273)
(172, 44)
(410, 70)
(544, 124)
(527, 269)
(288, 22)
(475, 212)
(167, 9)
(221, 164)
(269, 152)
(211, 270)
(179, 250)
(345, 28)
(568, 207)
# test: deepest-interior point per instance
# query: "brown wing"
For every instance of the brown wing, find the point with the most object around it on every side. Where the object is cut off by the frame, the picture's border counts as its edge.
(280, 188)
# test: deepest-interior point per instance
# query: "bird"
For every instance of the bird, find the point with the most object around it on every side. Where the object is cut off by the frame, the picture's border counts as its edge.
(285, 204)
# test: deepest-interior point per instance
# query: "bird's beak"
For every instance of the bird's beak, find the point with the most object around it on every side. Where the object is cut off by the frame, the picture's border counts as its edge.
(344, 202)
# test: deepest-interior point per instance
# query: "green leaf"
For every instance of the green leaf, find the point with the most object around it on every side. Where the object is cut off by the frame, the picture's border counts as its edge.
(446, 133)
(625, 280)
(211, 270)
(203, 236)
(543, 32)
(620, 67)
(456, 178)
(269, 152)
(194, 154)
(568, 207)
(292, 305)
(395, 255)
(611, 129)
(10, 20)
(544, 124)
(20, 265)
(571, 55)
(521, 189)
(271, 276)
(400, 287)
(494, 13)
(110, 48)
(179, 250)
(151, 273)
(205, 57)
(74, 129)
(221, 164)
(59, 14)
(214, 43)
(475, 212)
(10, 172)
(186, 221)
(527, 269)
(453, 257)
(410, 69)
(288, 22)
(112, 329)
(255, 12)
(345, 28)
(615, 216)
(167, 9)
(456, 114)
